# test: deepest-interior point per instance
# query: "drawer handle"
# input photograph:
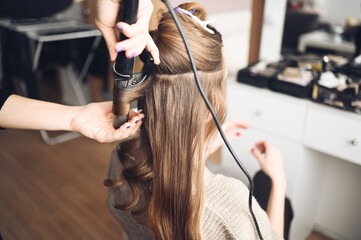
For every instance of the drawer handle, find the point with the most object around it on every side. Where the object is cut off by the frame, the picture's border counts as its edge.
(258, 113)
(354, 142)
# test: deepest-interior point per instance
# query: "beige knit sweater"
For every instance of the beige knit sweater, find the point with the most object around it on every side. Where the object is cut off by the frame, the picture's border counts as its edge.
(225, 214)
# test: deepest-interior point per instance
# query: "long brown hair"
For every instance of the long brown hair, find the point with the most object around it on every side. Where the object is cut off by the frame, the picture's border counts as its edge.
(168, 152)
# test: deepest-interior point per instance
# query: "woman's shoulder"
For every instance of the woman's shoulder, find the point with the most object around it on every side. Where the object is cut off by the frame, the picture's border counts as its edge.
(226, 194)
(224, 205)
(226, 213)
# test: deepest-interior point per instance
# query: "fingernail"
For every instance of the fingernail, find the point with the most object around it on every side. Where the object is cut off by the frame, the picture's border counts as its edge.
(142, 119)
(131, 55)
(128, 126)
(120, 49)
(136, 121)
(252, 150)
(119, 27)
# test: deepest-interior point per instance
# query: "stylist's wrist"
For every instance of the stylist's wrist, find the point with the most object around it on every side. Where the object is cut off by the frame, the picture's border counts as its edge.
(71, 115)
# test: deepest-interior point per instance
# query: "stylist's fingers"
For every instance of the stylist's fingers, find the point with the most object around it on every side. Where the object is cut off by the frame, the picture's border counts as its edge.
(153, 50)
(133, 30)
(137, 122)
(106, 15)
(110, 39)
(124, 131)
(129, 128)
(139, 39)
(133, 114)
(133, 46)
(134, 123)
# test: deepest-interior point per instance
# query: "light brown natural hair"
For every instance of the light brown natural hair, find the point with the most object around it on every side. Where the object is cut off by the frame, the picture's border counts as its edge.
(168, 152)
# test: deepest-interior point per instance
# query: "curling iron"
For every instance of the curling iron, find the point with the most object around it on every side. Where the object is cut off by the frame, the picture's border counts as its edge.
(124, 77)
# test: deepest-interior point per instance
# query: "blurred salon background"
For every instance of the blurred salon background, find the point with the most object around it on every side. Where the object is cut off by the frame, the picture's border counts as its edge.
(294, 75)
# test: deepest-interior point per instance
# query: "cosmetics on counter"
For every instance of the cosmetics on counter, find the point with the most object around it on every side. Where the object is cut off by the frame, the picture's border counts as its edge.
(332, 80)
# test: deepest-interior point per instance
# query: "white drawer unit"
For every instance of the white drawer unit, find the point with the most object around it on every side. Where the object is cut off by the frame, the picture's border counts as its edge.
(273, 115)
(292, 156)
(335, 134)
(320, 145)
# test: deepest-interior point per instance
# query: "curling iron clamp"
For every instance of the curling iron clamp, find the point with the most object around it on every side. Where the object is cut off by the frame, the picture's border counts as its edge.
(124, 78)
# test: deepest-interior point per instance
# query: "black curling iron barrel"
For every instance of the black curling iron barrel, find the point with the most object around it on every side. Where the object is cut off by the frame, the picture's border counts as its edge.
(124, 78)
(123, 67)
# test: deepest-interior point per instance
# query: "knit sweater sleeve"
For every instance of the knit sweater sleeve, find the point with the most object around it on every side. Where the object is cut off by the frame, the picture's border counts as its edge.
(226, 214)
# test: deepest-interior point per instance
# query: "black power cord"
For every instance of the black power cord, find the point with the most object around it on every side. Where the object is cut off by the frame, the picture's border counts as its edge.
(175, 18)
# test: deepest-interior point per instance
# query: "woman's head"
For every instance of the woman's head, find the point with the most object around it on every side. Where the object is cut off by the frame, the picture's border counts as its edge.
(175, 69)
(169, 150)
(206, 47)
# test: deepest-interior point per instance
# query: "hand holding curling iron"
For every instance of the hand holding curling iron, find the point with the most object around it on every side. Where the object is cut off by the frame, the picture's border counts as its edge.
(95, 121)
(138, 33)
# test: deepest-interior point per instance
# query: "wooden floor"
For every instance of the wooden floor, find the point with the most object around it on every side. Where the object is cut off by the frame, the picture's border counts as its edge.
(54, 192)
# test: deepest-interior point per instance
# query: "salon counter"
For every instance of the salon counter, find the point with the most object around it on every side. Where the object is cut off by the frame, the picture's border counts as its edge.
(323, 128)
(320, 145)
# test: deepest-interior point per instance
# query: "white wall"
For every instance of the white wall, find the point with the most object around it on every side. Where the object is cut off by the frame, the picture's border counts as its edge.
(232, 20)
(235, 29)
(272, 30)
(337, 11)
(216, 6)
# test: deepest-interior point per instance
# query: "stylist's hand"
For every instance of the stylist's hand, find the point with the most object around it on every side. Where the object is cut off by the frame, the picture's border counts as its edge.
(95, 121)
(230, 130)
(138, 33)
(270, 160)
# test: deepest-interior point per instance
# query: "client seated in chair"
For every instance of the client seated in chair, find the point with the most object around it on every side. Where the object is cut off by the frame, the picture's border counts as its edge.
(159, 185)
